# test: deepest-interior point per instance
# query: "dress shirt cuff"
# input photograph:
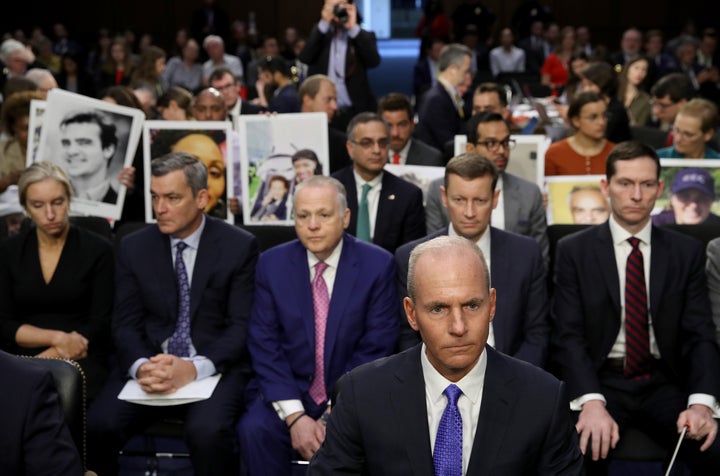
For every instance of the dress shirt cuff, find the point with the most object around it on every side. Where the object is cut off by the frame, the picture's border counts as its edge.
(135, 366)
(354, 31)
(707, 400)
(576, 405)
(284, 408)
(204, 367)
(323, 26)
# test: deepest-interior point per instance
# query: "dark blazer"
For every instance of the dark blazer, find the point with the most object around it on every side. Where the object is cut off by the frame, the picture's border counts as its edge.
(285, 100)
(34, 439)
(400, 214)
(361, 324)
(438, 118)
(220, 294)
(422, 154)
(517, 272)
(337, 145)
(379, 422)
(422, 79)
(250, 108)
(586, 309)
(362, 54)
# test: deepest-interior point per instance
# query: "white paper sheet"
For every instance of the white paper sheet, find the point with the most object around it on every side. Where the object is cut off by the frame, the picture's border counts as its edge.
(193, 392)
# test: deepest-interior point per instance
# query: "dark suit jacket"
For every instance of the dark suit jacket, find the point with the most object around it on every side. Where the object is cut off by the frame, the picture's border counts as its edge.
(362, 54)
(422, 154)
(337, 142)
(438, 118)
(220, 294)
(586, 309)
(422, 79)
(400, 214)
(250, 108)
(361, 325)
(379, 422)
(517, 272)
(34, 439)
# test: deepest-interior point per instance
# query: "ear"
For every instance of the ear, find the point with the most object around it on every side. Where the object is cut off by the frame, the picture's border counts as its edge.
(349, 145)
(496, 196)
(202, 198)
(409, 307)
(469, 147)
(661, 187)
(109, 152)
(493, 296)
(346, 218)
(443, 195)
(604, 186)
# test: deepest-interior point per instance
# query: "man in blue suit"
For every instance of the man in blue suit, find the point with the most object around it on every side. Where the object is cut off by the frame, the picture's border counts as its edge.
(520, 327)
(174, 324)
(325, 286)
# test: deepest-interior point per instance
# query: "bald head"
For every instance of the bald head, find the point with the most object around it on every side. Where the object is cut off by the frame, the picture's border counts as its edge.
(210, 105)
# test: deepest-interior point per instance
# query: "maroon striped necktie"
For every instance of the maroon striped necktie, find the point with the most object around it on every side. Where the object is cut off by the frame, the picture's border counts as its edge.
(637, 336)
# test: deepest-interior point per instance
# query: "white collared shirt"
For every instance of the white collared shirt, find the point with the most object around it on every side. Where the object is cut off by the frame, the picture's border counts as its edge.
(497, 219)
(469, 402)
(373, 197)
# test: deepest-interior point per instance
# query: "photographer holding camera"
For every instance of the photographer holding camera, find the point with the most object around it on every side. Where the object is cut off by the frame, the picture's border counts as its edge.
(340, 49)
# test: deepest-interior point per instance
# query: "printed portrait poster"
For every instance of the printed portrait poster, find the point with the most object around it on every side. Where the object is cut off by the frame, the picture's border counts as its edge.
(212, 142)
(690, 194)
(277, 153)
(92, 140)
(419, 175)
(37, 109)
(576, 199)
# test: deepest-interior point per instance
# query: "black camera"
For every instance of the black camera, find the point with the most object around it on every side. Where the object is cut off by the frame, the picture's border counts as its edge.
(340, 12)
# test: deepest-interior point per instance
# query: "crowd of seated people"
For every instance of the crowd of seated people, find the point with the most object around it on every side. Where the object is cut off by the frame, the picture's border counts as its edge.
(191, 297)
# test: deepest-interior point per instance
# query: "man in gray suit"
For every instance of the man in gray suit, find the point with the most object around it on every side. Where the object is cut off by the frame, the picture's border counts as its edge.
(520, 207)
(396, 110)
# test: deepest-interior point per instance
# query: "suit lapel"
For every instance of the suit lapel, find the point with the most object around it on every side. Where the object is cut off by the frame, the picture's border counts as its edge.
(345, 277)
(495, 408)
(386, 205)
(407, 400)
(160, 259)
(206, 258)
(300, 281)
(658, 270)
(605, 262)
(511, 202)
(498, 276)
(348, 179)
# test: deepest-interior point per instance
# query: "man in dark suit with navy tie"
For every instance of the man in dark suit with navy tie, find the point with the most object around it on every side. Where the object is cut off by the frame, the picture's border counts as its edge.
(633, 334)
(384, 209)
(451, 405)
(184, 293)
(521, 326)
(324, 304)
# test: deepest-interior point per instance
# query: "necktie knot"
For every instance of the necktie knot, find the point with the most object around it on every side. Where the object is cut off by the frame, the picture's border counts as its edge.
(365, 189)
(634, 242)
(452, 392)
(320, 268)
(181, 246)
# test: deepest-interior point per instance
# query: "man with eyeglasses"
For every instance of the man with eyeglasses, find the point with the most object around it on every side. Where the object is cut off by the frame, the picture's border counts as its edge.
(669, 94)
(384, 209)
(224, 81)
(520, 206)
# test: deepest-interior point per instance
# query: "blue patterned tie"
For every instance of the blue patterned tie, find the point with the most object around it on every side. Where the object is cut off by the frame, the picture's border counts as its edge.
(447, 457)
(363, 221)
(179, 343)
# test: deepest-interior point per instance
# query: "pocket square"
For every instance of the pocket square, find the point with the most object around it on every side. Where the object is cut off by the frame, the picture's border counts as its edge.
(391, 197)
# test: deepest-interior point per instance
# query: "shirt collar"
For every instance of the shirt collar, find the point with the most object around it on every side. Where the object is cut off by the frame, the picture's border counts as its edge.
(471, 384)
(361, 181)
(192, 240)
(332, 260)
(404, 151)
(620, 234)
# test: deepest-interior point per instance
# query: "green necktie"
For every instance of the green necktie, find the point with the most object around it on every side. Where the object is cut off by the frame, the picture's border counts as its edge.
(363, 222)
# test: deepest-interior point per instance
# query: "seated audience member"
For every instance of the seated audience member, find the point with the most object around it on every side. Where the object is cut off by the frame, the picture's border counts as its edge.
(177, 323)
(692, 130)
(660, 63)
(285, 97)
(176, 104)
(149, 71)
(520, 205)
(34, 440)
(118, 66)
(507, 58)
(384, 209)
(268, 46)
(534, 46)
(16, 59)
(11, 213)
(632, 91)
(304, 290)
(15, 117)
(601, 78)
(317, 94)
(223, 80)
(184, 71)
(630, 46)
(425, 71)
(633, 336)
(669, 94)
(56, 280)
(73, 76)
(215, 49)
(578, 65)
(521, 326)
(441, 115)
(396, 110)
(43, 79)
(692, 195)
(712, 269)
(436, 408)
(556, 68)
(588, 205)
(491, 97)
(584, 152)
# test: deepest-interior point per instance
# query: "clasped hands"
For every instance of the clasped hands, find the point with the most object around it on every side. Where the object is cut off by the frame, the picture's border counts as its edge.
(67, 345)
(596, 425)
(165, 373)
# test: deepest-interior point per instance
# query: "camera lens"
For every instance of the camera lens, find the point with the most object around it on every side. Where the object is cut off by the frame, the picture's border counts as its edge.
(340, 12)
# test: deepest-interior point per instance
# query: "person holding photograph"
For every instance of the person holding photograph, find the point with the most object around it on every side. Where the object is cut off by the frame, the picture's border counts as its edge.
(88, 141)
(56, 280)
(15, 122)
(692, 131)
(693, 192)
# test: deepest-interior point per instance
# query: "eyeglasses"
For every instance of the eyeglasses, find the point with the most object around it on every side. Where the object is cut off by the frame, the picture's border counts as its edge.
(368, 143)
(596, 117)
(661, 105)
(685, 134)
(494, 144)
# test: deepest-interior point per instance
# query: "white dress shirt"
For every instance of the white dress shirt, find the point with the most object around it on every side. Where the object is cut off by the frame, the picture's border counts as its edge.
(504, 61)
(373, 197)
(468, 404)
(497, 219)
(402, 152)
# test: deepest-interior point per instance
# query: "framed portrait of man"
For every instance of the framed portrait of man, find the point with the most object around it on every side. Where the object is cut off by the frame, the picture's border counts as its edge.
(576, 199)
(210, 142)
(277, 153)
(92, 140)
(37, 110)
(690, 193)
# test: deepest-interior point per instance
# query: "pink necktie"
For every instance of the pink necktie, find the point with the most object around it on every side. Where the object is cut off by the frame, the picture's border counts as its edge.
(321, 303)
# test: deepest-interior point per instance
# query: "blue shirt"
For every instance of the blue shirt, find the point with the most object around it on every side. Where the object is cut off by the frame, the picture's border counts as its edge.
(672, 153)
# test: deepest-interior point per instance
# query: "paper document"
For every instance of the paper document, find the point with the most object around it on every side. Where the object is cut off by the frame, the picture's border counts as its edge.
(193, 392)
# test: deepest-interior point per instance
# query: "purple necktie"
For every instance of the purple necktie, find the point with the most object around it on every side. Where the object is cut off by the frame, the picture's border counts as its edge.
(637, 336)
(321, 303)
(179, 343)
(447, 457)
